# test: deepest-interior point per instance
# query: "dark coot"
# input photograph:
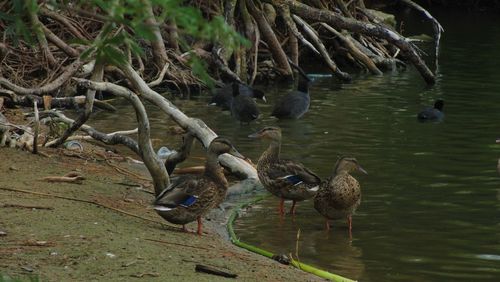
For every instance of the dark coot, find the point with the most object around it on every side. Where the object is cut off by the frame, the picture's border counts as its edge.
(432, 114)
(224, 96)
(243, 107)
(294, 104)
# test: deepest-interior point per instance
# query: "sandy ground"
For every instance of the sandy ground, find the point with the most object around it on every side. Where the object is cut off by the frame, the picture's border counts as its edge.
(57, 239)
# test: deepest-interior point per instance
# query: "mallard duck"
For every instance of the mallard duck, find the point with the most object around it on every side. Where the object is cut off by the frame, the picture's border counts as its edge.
(243, 107)
(191, 197)
(285, 179)
(432, 114)
(340, 195)
(224, 96)
(294, 104)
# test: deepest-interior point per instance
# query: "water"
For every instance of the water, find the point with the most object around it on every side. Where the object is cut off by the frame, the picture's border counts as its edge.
(431, 202)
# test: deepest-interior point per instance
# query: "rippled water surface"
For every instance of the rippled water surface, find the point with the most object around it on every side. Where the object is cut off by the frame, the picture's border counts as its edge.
(431, 202)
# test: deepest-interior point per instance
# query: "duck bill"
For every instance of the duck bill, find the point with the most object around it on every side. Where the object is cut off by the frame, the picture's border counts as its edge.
(362, 170)
(237, 154)
(254, 135)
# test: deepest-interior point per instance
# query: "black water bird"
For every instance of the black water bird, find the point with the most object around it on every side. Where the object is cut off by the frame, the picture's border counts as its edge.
(294, 104)
(432, 114)
(243, 107)
(191, 197)
(224, 96)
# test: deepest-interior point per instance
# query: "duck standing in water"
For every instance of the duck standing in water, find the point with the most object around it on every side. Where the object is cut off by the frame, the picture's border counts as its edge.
(224, 96)
(191, 197)
(294, 104)
(243, 107)
(432, 114)
(340, 195)
(285, 179)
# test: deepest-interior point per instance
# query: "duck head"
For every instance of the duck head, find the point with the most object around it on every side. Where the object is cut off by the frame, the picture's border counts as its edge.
(259, 95)
(347, 165)
(439, 104)
(304, 82)
(272, 133)
(221, 146)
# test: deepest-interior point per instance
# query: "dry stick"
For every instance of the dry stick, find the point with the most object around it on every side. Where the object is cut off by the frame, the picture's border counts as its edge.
(88, 202)
(63, 20)
(89, 105)
(157, 45)
(88, 138)
(285, 13)
(42, 40)
(354, 51)
(270, 37)
(322, 49)
(438, 29)
(375, 30)
(108, 139)
(255, 56)
(214, 271)
(342, 6)
(70, 51)
(159, 80)
(37, 128)
(251, 34)
(49, 87)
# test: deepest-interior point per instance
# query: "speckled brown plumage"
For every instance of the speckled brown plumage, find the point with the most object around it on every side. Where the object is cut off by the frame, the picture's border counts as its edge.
(191, 197)
(340, 195)
(285, 179)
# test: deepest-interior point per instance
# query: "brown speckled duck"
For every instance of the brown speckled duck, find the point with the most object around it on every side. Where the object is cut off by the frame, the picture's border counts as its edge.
(191, 197)
(340, 195)
(285, 179)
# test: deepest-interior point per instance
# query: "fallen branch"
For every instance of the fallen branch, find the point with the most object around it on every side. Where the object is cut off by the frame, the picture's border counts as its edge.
(71, 177)
(214, 271)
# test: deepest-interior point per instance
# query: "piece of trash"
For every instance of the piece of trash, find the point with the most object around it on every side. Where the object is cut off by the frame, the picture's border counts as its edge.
(110, 255)
(164, 152)
(283, 259)
(27, 268)
(3, 233)
(13, 168)
(54, 253)
(129, 263)
(73, 145)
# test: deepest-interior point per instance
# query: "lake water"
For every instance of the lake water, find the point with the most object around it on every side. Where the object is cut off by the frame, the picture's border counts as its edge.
(431, 202)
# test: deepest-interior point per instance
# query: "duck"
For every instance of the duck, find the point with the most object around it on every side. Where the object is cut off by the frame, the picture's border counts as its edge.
(190, 197)
(432, 114)
(340, 195)
(294, 104)
(285, 179)
(224, 96)
(243, 107)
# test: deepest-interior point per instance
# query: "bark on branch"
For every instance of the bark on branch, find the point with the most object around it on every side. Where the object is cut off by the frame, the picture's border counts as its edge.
(340, 22)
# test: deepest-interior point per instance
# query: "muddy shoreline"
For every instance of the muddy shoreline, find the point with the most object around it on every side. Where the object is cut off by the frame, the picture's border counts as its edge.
(58, 239)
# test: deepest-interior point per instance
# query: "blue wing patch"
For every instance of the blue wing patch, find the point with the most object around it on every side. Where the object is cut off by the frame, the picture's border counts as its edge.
(293, 179)
(189, 201)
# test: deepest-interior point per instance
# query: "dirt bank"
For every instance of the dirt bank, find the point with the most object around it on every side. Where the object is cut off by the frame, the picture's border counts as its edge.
(65, 240)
